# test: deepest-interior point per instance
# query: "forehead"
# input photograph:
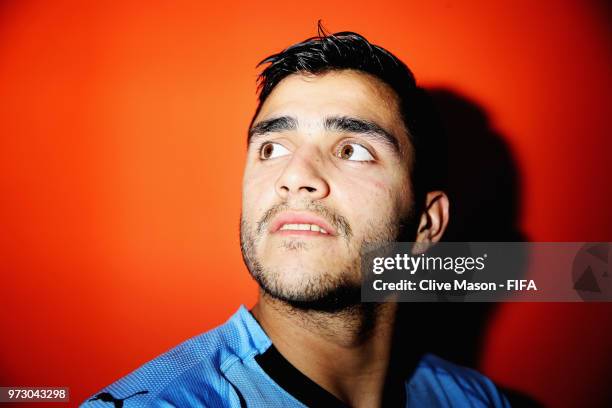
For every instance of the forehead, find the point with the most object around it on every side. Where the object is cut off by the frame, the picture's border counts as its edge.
(336, 93)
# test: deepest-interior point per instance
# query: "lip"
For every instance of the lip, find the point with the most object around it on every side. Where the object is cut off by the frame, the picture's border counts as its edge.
(293, 217)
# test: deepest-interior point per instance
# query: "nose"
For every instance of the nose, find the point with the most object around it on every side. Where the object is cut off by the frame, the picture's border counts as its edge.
(302, 177)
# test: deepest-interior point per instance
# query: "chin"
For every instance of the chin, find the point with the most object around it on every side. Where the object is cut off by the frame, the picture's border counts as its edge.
(319, 297)
(293, 276)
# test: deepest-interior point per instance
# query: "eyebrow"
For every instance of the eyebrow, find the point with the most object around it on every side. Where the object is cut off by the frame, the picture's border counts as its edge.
(333, 123)
(364, 127)
(279, 124)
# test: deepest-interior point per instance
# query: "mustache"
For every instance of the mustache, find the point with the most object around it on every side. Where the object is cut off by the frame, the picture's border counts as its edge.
(339, 222)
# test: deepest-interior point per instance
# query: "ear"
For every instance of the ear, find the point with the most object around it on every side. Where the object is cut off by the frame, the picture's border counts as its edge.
(434, 218)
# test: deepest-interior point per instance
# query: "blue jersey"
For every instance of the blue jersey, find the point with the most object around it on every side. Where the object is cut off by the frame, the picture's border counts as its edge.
(219, 369)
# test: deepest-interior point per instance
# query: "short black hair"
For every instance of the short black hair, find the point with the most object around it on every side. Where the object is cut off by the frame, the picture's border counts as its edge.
(334, 52)
(349, 50)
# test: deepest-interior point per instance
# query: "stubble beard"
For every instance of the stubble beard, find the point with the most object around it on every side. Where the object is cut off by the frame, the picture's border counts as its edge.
(324, 291)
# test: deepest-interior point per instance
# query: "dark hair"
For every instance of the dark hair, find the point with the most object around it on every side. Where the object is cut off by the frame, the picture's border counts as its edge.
(349, 50)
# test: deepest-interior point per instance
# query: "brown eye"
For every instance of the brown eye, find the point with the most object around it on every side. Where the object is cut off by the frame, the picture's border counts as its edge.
(346, 152)
(355, 152)
(267, 150)
(270, 150)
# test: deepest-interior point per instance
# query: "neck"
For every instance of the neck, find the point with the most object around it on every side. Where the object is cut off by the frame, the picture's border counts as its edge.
(347, 352)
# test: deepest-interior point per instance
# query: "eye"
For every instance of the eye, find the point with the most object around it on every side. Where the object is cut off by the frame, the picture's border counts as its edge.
(354, 152)
(271, 150)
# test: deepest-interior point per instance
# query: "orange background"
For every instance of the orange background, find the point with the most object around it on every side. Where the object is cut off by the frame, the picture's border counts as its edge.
(122, 140)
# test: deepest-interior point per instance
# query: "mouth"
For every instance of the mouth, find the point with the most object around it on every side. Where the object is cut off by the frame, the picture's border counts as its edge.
(295, 223)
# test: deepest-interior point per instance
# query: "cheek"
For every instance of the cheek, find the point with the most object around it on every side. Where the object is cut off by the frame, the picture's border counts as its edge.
(389, 190)
(371, 188)
(379, 185)
(257, 193)
(368, 198)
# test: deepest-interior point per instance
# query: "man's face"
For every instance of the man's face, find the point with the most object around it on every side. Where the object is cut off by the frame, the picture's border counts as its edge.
(327, 172)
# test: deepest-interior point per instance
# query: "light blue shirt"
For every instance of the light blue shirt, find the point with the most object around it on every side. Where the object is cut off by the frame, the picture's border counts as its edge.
(218, 369)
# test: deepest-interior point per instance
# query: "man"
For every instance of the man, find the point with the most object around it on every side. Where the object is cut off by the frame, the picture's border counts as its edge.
(335, 162)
